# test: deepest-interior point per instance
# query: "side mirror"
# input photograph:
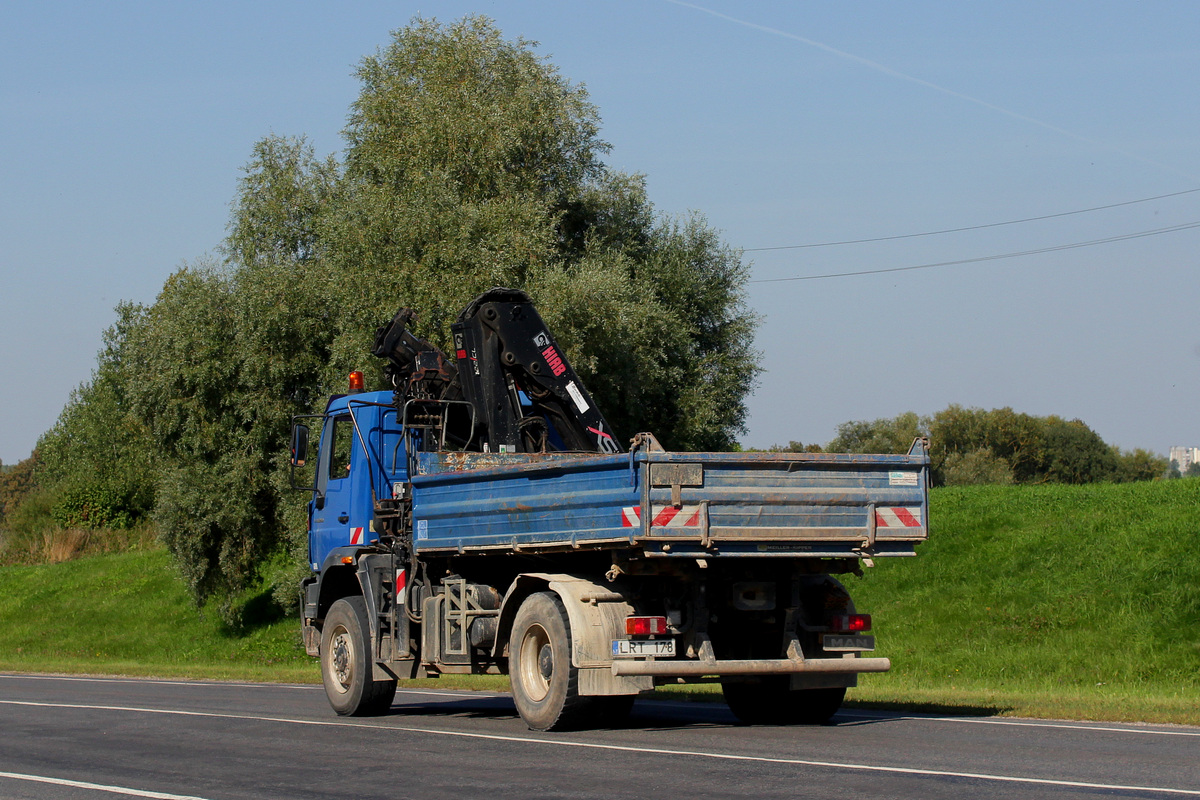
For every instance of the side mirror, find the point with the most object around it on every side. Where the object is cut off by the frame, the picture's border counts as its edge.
(299, 445)
(299, 453)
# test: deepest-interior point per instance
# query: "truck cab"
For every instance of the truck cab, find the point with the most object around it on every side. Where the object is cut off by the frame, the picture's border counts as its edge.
(347, 479)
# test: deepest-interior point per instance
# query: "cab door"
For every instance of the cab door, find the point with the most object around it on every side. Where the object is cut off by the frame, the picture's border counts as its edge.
(333, 497)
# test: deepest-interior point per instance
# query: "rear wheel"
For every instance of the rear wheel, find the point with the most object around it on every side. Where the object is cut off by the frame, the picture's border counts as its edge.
(816, 706)
(545, 684)
(770, 701)
(346, 668)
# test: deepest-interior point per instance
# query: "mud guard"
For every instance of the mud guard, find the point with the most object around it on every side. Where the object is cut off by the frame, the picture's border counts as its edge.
(596, 614)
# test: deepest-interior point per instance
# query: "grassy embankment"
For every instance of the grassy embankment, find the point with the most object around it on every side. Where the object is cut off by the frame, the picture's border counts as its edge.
(130, 614)
(1059, 601)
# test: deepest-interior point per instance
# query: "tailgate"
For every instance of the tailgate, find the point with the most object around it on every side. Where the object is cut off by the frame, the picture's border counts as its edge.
(814, 504)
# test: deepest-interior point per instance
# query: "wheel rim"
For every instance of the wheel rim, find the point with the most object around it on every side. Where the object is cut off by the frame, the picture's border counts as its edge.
(537, 663)
(341, 659)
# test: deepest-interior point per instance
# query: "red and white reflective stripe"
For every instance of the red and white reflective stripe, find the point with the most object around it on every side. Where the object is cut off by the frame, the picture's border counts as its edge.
(401, 582)
(672, 517)
(899, 517)
(664, 517)
(356, 536)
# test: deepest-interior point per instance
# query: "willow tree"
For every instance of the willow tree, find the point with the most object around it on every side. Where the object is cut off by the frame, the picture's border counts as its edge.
(470, 162)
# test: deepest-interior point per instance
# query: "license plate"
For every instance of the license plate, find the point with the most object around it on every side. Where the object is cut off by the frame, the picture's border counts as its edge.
(847, 644)
(640, 648)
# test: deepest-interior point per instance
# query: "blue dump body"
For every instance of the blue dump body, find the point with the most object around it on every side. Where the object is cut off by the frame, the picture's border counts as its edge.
(665, 504)
(673, 504)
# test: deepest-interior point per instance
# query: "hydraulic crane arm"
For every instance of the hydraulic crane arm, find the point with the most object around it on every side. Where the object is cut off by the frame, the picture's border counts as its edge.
(504, 350)
(508, 366)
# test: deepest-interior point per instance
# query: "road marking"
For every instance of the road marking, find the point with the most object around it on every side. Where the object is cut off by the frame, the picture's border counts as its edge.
(1018, 723)
(468, 693)
(98, 787)
(849, 766)
(465, 693)
(151, 681)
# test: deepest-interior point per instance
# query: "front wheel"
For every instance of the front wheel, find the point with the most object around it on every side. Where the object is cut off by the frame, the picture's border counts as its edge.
(346, 668)
(771, 701)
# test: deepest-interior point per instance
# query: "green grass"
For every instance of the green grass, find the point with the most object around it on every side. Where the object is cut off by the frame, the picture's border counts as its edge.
(1078, 602)
(130, 614)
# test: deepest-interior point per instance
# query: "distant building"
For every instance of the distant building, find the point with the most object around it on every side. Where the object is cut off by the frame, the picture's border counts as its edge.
(1184, 457)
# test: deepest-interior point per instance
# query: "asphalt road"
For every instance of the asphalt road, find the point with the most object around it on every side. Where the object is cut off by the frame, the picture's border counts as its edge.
(82, 738)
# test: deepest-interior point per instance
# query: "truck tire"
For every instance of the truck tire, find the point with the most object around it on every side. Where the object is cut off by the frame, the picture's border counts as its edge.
(769, 701)
(816, 706)
(346, 668)
(545, 685)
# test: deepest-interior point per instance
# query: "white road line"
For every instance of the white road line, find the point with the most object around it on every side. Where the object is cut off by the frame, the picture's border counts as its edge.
(468, 693)
(98, 787)
(151, 681)
(162, 682)
(848, 766)
(1020, 723)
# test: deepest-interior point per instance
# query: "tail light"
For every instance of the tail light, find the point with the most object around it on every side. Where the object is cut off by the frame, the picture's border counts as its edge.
(645, 626)
(850, 623)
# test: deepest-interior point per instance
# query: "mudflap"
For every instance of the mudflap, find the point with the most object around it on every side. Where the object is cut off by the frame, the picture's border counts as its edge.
(312, 638)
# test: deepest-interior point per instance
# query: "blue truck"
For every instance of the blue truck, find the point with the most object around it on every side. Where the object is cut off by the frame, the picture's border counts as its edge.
(482, 517)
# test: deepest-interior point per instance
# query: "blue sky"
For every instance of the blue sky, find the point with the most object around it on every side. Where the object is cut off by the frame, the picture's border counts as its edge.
(123, 128)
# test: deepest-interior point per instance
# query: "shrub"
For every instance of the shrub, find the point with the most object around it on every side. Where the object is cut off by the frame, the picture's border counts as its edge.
(93, 507)
(976, 467)
(16, 483)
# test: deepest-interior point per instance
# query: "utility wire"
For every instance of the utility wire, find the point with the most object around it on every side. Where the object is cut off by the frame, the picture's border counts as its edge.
(1056, 248)
(969, 227)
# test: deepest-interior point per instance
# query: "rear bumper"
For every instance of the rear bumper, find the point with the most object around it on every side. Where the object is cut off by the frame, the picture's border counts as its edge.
(694, 668)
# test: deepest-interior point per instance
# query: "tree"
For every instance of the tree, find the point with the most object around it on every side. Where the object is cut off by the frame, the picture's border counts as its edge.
(795, 447)
(469, 163)
(1015, 437)
(1001, 446)
(282, 196)
(472, 163)
(1138, 465)
(1074, 453)
(975, 467)
(16, 483)
(97, 459)
(893, 435)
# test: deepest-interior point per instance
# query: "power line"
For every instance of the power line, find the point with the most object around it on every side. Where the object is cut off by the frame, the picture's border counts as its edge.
(969, 227)
(894, 73)
(1121, 238)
